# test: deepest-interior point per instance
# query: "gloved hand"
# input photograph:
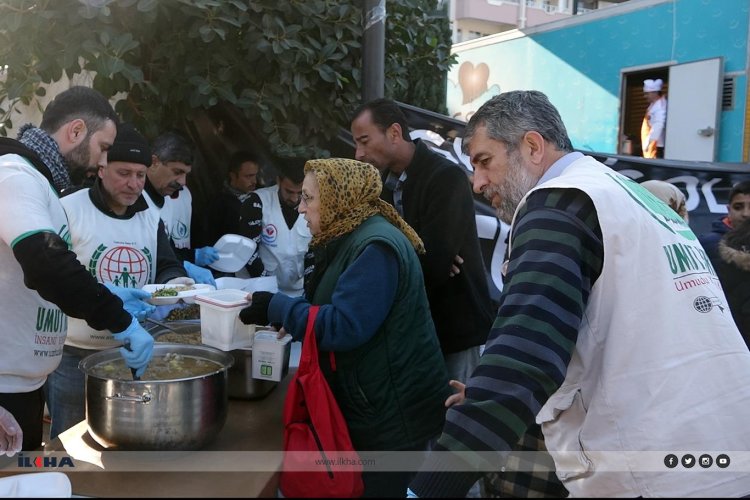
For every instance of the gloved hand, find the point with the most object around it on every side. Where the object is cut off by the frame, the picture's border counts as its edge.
(206, 255)
(410, 494)
(141, 346)
(133, 300)
(199, 274)
(257, 312)
(181, 281)
(11, 435)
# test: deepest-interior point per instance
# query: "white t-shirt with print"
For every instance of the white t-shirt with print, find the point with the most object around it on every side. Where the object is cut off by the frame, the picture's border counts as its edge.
(33, 329)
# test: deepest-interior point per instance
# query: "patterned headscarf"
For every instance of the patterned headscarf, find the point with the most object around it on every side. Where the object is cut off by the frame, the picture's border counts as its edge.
(350, 194)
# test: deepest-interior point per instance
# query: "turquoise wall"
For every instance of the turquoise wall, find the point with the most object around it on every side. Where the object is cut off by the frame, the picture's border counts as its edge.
(579, 66)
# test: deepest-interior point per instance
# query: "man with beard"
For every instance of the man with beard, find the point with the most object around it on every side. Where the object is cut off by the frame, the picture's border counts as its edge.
(434, 196)
(284, 235)
(611, 332)
(110, 220)
(243, 168)
(166, 190)
(41, 280)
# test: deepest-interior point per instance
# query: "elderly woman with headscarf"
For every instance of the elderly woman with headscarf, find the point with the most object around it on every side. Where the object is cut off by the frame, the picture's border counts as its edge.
(669, 194)
(390, 380)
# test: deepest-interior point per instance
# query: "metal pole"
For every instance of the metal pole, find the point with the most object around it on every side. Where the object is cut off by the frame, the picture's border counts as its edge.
(373, 50)
(521, 14)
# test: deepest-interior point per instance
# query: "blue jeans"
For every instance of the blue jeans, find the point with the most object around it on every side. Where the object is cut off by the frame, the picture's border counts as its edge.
(65, 391)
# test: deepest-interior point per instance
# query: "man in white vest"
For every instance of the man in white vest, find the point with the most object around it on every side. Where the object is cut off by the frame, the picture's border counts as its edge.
(285, 235)
(613, 332)
(166, 191)
(120, 241)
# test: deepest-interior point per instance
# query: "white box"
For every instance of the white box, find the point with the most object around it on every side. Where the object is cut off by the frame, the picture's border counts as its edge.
(220, 321)
(271, 356)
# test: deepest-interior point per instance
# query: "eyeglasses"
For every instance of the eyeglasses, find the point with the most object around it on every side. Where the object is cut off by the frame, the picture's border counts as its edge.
(306, 198)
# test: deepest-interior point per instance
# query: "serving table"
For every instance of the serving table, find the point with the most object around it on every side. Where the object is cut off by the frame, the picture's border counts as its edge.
(243, 461)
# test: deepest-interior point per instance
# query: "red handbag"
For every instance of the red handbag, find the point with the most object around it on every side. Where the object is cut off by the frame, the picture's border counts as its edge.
(319, 458)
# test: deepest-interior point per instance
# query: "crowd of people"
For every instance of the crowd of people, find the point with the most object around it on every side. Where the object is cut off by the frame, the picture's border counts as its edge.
(618, 329)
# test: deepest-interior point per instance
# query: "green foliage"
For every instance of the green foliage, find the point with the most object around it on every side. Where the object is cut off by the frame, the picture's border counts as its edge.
(292, 67)
(418, 53)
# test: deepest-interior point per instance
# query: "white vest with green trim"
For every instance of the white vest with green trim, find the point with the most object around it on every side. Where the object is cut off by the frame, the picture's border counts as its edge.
(659, 366)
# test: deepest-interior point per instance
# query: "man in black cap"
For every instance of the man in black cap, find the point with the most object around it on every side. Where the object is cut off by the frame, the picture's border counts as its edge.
(120, 241)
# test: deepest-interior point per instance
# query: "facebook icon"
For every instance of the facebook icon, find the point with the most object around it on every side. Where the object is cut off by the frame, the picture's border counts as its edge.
(670, 461)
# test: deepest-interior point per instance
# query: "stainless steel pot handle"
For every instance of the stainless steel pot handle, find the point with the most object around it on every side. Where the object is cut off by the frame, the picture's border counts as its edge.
(144, 398)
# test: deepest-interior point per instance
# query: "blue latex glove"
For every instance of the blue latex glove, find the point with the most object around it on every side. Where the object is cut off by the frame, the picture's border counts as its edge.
(199, 274)
(410, 494)
(140, 346)
(205, 256)
(133, 300)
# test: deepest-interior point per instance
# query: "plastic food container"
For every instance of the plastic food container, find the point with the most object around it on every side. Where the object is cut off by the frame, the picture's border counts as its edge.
(242, 385)
(271, 356)
(220, 322)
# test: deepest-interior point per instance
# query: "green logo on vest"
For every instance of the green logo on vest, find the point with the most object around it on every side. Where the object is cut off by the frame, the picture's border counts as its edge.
(64, 233)
(51, 320)
(665, 216)
(688, 258)
(180, 231)
(121, 265)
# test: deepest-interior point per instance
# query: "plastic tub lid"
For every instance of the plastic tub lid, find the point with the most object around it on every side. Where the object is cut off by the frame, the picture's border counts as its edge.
(267, 336)
(224, 298)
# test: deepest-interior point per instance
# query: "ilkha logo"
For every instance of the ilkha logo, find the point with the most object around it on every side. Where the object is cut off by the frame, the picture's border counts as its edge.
(121, 265)
(44, 462)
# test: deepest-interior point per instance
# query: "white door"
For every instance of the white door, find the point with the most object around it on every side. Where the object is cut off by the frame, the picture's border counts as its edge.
(693, 106)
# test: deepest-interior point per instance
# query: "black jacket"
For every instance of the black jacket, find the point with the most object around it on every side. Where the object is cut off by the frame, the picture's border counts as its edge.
(733, 268)
(439, 205)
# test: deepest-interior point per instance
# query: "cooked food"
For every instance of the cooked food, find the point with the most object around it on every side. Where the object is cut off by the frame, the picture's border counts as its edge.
(193, 338)
(171, 291)
(193, 311)
(170, 366)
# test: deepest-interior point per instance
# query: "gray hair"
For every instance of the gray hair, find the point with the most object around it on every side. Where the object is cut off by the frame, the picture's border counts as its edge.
(510, 115)
(173, 146)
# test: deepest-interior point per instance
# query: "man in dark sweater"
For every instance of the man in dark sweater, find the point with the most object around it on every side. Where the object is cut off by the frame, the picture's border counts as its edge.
(434, 196)
(587, 343)
(242, 179)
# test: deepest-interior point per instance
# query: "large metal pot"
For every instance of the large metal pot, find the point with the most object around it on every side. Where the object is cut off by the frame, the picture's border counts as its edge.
(181, 414)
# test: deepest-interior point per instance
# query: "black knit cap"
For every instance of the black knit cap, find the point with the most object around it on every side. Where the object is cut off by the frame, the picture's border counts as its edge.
(129, 146)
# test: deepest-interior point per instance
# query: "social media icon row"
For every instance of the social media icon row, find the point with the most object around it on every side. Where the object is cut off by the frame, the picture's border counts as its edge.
(688, 461)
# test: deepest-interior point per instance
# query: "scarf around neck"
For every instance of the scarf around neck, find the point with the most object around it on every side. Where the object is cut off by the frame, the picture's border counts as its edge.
(45, 146)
